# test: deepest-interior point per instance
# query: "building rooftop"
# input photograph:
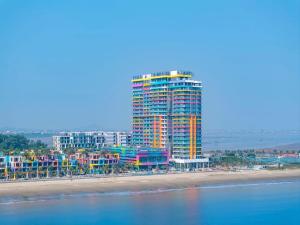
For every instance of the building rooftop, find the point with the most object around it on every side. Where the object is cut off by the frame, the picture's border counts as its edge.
(172, 72)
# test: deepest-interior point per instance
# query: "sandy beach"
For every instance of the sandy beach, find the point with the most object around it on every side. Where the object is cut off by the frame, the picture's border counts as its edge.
(139, 183)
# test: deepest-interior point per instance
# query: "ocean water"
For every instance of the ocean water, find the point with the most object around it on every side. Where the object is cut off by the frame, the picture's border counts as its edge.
(261, 202)
(234, 140)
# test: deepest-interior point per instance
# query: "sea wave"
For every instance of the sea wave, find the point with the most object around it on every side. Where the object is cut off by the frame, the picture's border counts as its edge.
(13, 200)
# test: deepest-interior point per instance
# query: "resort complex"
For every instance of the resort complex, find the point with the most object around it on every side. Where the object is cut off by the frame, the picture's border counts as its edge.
(166, 116)
(166, 132)
(32, 166)
(82, 162)
(166, 136)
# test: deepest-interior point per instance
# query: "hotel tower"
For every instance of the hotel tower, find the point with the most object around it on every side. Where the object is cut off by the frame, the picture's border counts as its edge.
(167, 114)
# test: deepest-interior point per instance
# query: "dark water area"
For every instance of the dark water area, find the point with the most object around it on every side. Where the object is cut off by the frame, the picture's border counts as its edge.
(260, 202)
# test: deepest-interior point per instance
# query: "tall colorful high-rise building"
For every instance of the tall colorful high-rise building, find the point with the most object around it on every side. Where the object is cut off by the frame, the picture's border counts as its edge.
(167, 113)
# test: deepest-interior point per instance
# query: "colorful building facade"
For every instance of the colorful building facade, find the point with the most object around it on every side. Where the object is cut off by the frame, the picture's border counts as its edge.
(167, 113)
(12, 167)
(142, 157)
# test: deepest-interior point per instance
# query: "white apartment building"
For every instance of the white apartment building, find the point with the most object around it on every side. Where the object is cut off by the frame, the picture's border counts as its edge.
(117, 138)
(91, 139)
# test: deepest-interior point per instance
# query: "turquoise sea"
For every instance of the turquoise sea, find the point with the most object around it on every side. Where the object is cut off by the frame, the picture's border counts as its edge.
(260, 202)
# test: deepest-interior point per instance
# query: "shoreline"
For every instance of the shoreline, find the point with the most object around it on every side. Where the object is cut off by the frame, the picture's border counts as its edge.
(139, 183)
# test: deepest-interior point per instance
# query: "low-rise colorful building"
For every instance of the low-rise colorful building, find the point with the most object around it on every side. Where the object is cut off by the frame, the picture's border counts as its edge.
(102, 162)
(142, 157)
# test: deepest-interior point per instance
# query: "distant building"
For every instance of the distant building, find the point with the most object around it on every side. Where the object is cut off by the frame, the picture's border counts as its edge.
(167, 114)
(117, 138)
(94, 139)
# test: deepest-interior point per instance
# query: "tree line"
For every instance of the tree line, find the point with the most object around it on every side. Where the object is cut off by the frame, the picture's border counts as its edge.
(18, 143)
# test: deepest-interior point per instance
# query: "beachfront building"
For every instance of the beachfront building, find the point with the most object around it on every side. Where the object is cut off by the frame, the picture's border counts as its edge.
(3, 166)
(32, 166)
(94, 139)
(141, 158)
(15, 162)
(102, 163)
(167, 114)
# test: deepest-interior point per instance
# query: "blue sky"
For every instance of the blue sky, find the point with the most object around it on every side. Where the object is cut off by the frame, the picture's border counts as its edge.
(68, 64)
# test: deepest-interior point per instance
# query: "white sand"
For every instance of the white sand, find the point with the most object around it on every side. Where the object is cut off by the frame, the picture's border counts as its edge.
(138, 183)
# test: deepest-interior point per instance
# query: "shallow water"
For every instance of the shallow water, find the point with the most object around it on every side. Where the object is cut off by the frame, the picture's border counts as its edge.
(276, 202)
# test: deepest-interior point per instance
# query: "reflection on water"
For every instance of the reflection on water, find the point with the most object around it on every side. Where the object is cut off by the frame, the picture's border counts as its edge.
(259, 203)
